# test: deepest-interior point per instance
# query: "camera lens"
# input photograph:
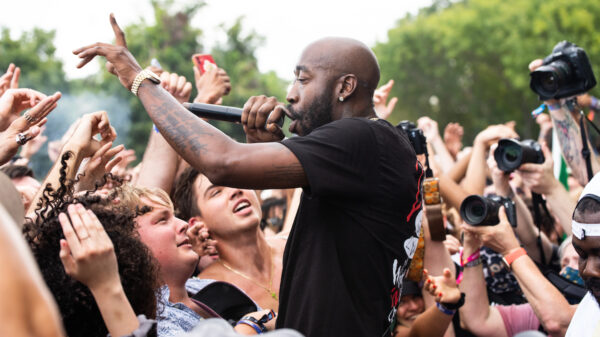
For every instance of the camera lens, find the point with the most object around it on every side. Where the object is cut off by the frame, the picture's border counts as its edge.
(473, 210)
(548, 79)
(508, 155)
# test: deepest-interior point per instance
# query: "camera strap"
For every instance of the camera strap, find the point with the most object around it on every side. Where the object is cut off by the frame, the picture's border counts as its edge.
(585, 150)
(537, 201)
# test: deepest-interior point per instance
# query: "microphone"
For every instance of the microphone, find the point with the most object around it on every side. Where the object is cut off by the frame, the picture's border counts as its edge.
(219, 112)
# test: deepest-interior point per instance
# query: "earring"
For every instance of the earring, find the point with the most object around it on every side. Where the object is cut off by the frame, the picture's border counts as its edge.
(341, 98)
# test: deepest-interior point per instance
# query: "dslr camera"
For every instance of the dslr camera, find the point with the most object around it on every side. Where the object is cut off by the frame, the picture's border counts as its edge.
(483, 211)
(511, 153)
(566, 72)
(415, 135)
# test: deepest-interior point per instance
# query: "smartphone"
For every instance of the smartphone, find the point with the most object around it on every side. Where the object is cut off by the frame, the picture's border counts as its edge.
(204, 62)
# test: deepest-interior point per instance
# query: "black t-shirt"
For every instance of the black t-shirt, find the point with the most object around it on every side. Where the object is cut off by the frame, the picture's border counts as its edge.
(355, 230)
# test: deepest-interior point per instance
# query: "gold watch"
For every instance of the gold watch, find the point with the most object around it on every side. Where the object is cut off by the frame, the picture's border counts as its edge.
(141, 76)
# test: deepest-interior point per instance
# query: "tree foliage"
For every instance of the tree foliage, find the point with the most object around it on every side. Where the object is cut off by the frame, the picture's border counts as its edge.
(473, 55)
(34, 52)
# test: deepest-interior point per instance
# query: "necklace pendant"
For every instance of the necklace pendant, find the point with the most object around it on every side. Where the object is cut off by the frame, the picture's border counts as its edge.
(274, 295)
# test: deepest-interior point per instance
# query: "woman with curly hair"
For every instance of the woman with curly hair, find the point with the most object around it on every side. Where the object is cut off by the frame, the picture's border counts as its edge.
(137, 269)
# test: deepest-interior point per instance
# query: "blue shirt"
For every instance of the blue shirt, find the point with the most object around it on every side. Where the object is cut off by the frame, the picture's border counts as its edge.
(176, 318)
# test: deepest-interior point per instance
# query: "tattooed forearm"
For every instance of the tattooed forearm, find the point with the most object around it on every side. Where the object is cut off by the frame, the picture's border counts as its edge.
(569, 137)
(221, 159)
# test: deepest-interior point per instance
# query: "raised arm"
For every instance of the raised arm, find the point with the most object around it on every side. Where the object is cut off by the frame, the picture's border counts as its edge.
(526, 229)
(540, 179)
(549, 305)
(81, 145)
(224, 161)
(569, 136)
(477, 315)
(88, 255)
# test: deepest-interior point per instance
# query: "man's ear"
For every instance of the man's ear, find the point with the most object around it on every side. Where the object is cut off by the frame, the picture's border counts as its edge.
(346, 87)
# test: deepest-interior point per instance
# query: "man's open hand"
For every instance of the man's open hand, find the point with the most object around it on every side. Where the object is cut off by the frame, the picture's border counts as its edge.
(176, 85)
(121, 61)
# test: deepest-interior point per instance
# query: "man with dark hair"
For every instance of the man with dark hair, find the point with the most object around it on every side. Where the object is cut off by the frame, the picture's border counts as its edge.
(25, 182)
(357, 225)
(246, 258)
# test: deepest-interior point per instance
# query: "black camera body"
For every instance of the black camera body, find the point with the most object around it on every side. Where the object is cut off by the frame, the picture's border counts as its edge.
(566, 72)
(415, 135)
(511, 153)
(481, 211)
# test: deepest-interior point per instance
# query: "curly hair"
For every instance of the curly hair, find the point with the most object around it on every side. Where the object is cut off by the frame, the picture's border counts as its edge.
(137, 268)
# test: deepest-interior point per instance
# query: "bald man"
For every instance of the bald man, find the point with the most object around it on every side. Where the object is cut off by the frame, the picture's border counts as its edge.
(354, 233)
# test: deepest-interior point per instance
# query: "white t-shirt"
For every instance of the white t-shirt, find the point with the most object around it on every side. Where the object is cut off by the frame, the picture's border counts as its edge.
(586, 321)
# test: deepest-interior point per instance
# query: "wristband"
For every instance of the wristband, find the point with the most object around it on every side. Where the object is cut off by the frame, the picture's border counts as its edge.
(509, 258)
(257, 323)
(455, 306)
(445, 310)
(155, 128)
(252, 325)
(473, 263)
(554, 106)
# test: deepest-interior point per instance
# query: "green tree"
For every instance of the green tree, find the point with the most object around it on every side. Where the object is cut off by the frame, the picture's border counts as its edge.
(237, 56)
(34, 52)
(473, 56)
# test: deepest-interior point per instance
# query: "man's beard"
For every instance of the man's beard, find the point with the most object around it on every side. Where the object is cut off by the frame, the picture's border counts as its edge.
(318, 113)
(593, 286)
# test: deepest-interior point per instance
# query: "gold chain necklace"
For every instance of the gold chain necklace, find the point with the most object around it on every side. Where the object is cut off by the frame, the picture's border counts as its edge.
(269, 289)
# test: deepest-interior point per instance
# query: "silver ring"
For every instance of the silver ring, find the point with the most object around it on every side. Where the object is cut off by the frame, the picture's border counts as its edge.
(28, 117)
(21, 138)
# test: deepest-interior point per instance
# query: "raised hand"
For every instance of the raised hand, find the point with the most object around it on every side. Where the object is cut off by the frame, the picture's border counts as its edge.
(200, 238)
(429, 127)
(177, 86)
(87, 253)
(101, 162)
(10, 79)
(501, 238)
(259, 118)
(540, 177)
(212, 85)
(26, 127)
(127, 157)
(380, 100)
(493, 133)
(14, 101)
(453, 134)
(122, 63)
(92, 124)
(34, 145)
(443, 288)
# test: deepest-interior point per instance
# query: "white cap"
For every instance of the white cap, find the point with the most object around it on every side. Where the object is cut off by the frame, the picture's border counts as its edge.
(581, 230)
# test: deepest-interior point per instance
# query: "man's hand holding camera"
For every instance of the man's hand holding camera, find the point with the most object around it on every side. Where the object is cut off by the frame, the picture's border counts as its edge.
(500, 237)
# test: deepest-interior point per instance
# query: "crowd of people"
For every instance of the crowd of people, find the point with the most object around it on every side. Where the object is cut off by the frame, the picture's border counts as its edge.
(327, 233)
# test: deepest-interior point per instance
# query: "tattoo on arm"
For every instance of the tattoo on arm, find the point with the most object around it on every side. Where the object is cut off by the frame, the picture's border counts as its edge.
(569, 137)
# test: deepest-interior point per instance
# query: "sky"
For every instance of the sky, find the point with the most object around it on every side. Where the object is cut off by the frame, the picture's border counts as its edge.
(288, 26)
